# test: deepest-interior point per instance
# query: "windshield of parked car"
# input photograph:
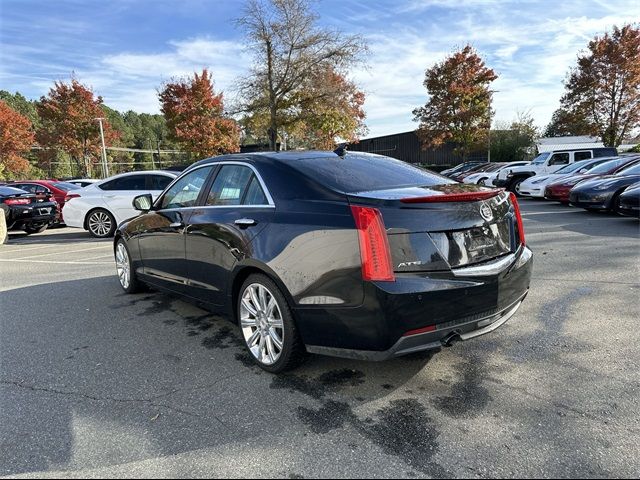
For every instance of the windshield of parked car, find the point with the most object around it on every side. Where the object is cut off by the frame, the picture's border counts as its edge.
(362, 173)
(609, 166)
(66, 186)
(572, 167)
(541, 158)
(631, 170)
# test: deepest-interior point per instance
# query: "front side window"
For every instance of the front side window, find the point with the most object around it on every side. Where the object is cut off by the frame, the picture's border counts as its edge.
(184, 192)
(236, 185)
(559, 159)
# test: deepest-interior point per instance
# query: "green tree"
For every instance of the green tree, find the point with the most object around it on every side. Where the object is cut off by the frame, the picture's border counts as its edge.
(459, 106)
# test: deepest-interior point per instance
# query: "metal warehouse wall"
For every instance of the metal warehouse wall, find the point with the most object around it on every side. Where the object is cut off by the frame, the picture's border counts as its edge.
(406, 146)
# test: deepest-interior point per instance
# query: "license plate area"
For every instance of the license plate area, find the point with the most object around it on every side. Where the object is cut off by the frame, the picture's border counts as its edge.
(474, 245)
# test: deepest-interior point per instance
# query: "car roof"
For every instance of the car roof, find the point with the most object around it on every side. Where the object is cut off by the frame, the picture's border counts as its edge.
(8, 190)
(141, 172)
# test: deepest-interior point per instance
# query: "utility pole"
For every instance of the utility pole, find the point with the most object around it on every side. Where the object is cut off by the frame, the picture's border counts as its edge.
(105, 167)
(159, 160)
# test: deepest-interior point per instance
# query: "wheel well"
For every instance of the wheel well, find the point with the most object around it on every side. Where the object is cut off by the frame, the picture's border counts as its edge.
(86, 217)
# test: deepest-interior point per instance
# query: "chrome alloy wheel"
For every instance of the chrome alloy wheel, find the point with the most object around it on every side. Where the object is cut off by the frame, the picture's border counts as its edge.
(122, 265)
(100, 223)
(261, 323)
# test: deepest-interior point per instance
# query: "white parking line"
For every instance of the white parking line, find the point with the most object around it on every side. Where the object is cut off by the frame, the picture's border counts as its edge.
(63, 252)
(57, 262)
(524, 214)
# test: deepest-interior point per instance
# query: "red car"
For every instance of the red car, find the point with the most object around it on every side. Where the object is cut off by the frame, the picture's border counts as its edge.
(55, 188)
(559, 191)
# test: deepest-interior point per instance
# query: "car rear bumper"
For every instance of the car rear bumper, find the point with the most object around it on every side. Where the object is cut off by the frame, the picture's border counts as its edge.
(38, 214)
(421, 312)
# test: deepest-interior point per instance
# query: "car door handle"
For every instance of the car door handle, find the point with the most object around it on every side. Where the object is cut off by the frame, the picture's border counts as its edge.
(176, 225)
(245, 222)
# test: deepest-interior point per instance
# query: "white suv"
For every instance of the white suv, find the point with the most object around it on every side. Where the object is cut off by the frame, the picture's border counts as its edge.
(100, 207)
(547, 162)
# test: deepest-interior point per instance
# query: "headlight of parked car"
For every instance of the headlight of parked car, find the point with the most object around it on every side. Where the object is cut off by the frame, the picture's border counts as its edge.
(603, 186)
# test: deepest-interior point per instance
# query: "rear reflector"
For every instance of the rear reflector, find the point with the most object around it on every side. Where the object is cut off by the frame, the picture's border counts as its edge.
(454, 197)
(374, 245)
(418, 331)
(516, 209)
(17, 201)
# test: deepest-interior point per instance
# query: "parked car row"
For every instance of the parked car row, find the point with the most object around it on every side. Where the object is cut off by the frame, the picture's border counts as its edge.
(96, 205)
(596, 179)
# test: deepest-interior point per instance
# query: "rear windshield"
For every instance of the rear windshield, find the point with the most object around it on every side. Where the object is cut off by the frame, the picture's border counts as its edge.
(66, 186)
(362, 173)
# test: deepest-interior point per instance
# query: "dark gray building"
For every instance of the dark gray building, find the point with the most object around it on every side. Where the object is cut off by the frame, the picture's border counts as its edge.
(406, 146)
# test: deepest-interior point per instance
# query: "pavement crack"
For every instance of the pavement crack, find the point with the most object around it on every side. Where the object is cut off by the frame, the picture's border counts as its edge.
(149, 401)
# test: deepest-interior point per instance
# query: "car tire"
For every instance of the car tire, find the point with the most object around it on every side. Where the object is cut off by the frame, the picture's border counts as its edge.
(33, 230)
(515, 184)
(124, 268)
(268, 329)
(101, 223)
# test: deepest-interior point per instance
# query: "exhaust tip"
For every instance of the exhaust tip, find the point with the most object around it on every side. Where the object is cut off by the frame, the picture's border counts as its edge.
(450, 339)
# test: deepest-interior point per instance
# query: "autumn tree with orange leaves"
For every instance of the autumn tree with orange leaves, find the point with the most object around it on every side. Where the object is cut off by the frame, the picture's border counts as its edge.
(459, 105)
(16, 139)
(603, 90)
(195, 116)
(68, 114)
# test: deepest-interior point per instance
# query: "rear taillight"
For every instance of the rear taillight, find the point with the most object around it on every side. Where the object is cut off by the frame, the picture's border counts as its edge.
(17, 201)
(516, 209)
(374, 245)
(454, 197)
(70, 196)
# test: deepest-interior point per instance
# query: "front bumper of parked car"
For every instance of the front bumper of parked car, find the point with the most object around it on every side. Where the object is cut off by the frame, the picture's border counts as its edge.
(421, 312)
(591, 200)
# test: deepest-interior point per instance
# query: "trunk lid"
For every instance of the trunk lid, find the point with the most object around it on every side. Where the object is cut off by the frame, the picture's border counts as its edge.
(440, 227)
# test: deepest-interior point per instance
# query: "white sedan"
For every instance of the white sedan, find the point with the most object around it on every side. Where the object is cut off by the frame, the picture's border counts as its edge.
(486, 178)
(100, 207)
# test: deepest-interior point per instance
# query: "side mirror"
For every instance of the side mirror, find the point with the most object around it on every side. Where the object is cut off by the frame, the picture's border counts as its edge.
(143, 203)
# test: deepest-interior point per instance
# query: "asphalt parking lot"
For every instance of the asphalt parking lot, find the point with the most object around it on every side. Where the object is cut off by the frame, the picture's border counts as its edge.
(95, 383)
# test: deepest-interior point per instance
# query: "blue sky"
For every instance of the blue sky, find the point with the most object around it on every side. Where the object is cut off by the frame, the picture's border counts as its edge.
(125, 49)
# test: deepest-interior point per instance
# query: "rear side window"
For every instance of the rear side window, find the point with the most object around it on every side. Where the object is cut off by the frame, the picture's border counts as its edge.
(158, 182)
(362, 173)
(66, 186)
(131, 182)
(236, 185)
(581, 156)
(605, 152)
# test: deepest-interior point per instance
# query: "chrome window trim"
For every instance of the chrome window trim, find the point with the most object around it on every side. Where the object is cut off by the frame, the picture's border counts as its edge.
(270, 204)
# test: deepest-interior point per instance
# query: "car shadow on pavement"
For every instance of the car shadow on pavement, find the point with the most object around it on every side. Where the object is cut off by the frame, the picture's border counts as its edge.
(54, 236)
(91, 376)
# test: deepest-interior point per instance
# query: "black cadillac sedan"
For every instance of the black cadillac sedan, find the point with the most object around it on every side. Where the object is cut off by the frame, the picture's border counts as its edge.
(355, 255)
(27, 211)
(603, 193)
